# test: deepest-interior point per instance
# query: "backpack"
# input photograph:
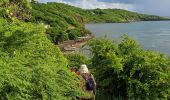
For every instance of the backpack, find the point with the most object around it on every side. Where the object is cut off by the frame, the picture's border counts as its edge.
(90, 84)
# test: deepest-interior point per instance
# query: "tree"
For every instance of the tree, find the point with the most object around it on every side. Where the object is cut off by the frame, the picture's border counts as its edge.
(125, 70)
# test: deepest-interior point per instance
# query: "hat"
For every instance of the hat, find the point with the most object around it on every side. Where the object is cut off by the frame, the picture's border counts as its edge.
(84, 69)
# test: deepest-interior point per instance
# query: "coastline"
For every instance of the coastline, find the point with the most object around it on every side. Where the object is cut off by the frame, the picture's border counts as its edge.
(72, 45)
(127, 21)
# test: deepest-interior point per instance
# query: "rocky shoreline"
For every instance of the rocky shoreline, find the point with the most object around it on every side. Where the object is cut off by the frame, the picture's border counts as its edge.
(73, 45)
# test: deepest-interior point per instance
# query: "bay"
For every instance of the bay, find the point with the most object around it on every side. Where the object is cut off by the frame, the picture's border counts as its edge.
(151, 35)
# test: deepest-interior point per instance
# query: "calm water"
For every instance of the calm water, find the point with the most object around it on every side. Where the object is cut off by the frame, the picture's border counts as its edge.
(152, 35)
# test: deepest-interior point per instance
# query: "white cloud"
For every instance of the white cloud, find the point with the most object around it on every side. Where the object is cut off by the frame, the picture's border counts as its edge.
(155, 7)
(92, 4)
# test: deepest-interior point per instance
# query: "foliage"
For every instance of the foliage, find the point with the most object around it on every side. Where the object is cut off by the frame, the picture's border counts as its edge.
(63, 24)
(124, 70)
(31, 66)
(76, 59)
(73, 34)
(56, 36)
(15, 9)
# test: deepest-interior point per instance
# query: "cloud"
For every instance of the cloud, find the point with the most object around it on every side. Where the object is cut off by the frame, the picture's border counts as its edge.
(155, 7)
(92, 4)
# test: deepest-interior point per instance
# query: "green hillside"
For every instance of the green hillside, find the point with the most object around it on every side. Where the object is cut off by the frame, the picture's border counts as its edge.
(67, 22)
(64, 24)
(118, 15)
(32, 67)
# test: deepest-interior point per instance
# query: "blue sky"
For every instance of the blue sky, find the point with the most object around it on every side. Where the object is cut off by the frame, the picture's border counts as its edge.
(155, 7)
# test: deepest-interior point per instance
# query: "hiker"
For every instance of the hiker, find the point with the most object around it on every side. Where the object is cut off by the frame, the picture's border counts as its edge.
(89, 78)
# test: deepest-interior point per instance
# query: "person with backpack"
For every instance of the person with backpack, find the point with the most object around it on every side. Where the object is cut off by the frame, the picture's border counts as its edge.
(90, 82)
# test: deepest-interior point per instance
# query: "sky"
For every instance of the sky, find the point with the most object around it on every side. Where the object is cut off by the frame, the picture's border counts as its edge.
(153, 7)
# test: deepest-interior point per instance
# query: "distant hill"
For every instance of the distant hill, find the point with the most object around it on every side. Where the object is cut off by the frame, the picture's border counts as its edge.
(67, 22)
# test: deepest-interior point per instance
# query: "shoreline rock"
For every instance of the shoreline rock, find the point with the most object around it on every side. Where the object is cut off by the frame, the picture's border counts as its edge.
(73, 45)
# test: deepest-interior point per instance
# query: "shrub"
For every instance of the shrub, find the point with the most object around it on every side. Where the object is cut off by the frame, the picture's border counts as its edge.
(126, 71)
(73, 34)
(56, 35)
(32, 67)
(76, 59)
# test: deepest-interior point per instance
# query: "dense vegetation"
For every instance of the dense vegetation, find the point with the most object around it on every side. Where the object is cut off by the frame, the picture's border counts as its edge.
(126, 71)
(31, 67)
(67, 22)
(15, 9)
(62, 22)
(76, 59)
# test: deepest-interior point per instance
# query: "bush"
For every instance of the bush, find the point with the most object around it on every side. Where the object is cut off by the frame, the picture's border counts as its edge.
(56, 35)
(73, 34)
(125, 71)
(32, 67)
(76, 59)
